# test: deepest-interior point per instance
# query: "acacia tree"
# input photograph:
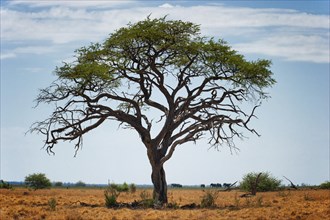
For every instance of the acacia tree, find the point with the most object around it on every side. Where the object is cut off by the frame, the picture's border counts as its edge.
(156, 72)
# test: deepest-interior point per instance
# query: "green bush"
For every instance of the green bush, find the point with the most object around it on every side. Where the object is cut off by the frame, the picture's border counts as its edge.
(132, 188)
(5, 185)
(266, 182)
(37, 181)
(325, 185)
(80, 184)
(123, 188)
(120, 188)
(113, 191)
(110, 199)
(209, 199)
(58, 184)
(111, 194)
(146, 199)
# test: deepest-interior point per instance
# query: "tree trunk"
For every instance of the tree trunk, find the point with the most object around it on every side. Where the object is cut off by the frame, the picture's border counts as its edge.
(255, 185)
(160, 186)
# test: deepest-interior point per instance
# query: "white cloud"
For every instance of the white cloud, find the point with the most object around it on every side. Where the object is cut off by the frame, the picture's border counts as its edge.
(295, 47)
(72, 3)
(7, 55)
(166, 5)
(286, 33)
(35, 49)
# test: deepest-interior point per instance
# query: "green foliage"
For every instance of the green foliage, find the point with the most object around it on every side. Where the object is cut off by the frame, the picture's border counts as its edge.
(146, 199)
(5, 185)
(123, 188)
(132, 188)
(120, 188)
(110, 199)
(175, 43)
(58, 184)
(80, 184)
(111, 194)
(325, 185)
(37, 181)
(209, 199)
(266, 182)
(52, 204)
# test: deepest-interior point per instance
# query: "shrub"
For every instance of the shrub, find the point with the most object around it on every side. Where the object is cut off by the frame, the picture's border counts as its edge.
(307, 197)
(37, 181)
(266, 182)
(111, 194)
(146, 200)
(123, 187)
(80, 184)
(132, 188)
(209, 199)
(120, 188)
(5, 185)
(110, 199)
(325, 185)
(58, 184)
(52, 204)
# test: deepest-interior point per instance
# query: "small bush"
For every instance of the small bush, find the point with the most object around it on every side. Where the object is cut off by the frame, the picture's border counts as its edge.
(110, 199)
(146, 200)
(111, 194)
(123, 187)
(325, 185)
(120, 188)
(5, 185)
(37, 181)
(80, 184)
(259, 202)
(266, 182)
(209, 199)
(52, 204)
(58, 184)
(132, 188)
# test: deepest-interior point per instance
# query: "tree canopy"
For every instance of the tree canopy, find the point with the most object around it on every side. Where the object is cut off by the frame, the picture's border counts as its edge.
(156, 72)
(37, 181)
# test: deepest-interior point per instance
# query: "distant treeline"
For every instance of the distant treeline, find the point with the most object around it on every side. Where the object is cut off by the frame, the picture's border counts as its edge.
(143, 186)
(77, 184)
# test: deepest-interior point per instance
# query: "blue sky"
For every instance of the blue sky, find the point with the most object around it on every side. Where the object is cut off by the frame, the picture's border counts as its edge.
(36, 36)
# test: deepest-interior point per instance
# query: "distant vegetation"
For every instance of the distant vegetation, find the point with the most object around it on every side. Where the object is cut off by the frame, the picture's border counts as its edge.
(325, 185)
(5, 185)
(266, 182)
(113, 190)
(80, 184)
(37, 181)
(58, 184)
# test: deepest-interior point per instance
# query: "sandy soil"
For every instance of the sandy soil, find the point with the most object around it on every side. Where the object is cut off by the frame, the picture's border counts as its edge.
(84, 204)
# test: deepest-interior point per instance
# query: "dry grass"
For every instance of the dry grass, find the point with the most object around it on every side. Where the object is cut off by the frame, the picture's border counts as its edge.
(302, 204)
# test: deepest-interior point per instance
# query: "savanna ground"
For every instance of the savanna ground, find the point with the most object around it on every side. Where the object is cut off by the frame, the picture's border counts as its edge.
(21, 203)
